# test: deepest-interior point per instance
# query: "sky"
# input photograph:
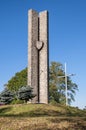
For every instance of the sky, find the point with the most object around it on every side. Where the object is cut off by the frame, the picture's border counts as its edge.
(67, 38)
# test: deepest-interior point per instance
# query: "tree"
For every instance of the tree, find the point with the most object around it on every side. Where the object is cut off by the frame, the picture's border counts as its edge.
(18, 80)
(25, 93)
(57, 85)
(6, 96)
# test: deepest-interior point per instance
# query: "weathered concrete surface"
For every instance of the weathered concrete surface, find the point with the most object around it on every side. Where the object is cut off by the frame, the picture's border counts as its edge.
(38, 55)
(43, 57)
(33, 53)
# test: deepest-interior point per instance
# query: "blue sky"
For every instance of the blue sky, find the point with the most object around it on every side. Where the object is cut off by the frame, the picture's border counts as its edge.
(67, 38)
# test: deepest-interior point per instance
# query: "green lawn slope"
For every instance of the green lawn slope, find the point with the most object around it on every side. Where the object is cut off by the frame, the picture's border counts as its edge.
(41, 117)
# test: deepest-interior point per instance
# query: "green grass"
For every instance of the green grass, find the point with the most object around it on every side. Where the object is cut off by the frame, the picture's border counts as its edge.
(41, 117)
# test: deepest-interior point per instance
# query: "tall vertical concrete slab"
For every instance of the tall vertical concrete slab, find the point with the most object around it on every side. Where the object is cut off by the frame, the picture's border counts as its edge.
(43, 57)
(32, 52)
(38, 55)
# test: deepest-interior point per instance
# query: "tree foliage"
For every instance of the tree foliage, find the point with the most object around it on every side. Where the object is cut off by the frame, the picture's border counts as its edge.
(25, 93)
(18, 80)
(57, 85)
(6, 96)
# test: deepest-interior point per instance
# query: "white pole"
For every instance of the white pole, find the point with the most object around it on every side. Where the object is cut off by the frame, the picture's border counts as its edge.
(65, 76)
(66, 85)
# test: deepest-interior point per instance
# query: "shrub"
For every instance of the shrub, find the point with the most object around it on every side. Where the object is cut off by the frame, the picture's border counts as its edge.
(17, 101)
(25, 93)
(6, 96)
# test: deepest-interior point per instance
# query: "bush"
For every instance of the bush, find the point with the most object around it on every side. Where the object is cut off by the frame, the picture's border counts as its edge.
(17, 101)
(53, 102)
(25, 93)
(6, 96)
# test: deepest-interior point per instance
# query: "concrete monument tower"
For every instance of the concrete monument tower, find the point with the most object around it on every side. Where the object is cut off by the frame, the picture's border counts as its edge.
(38, 55)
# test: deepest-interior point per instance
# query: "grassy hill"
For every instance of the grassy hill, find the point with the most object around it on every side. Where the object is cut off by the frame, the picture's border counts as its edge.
(41, 117)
